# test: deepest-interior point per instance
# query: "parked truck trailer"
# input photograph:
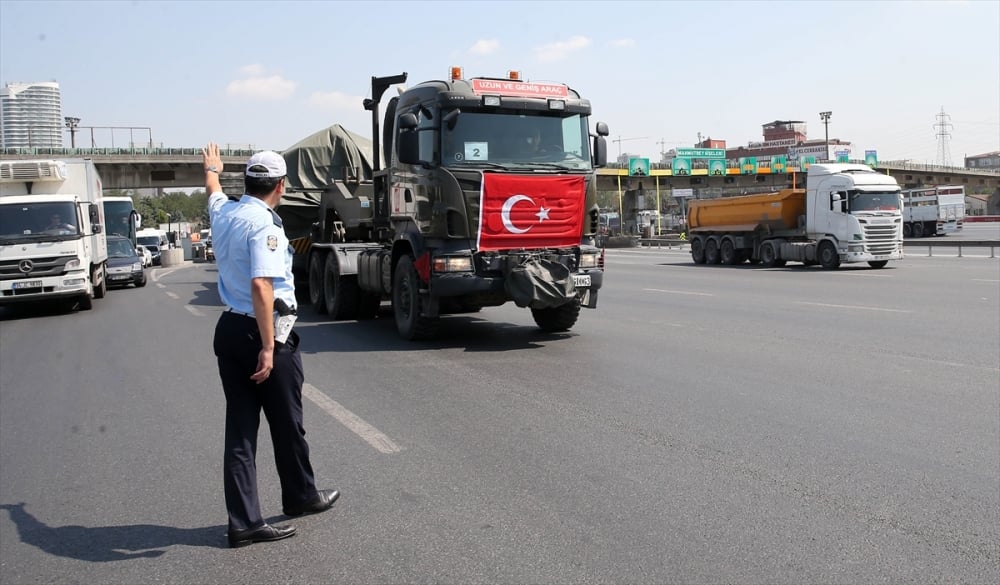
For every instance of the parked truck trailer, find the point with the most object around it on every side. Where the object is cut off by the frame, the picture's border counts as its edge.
(488, 196)
(52, 233)
(848, 213)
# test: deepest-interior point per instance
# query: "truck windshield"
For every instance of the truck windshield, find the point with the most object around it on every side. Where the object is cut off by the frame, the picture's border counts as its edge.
(874, 201)
(42, 221)
(516, 140)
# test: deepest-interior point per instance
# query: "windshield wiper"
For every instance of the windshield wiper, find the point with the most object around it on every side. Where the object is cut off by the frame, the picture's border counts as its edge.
(477, 163)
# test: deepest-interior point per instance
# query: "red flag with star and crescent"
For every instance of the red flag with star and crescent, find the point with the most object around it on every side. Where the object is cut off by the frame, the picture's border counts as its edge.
(517, 211)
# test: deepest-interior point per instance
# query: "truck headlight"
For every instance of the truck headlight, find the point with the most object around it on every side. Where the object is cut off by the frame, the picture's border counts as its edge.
(589, 260)
(856, 248)
(452, 264)
(74, 263)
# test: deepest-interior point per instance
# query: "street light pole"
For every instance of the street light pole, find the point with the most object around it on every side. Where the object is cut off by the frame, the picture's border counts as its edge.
(72, 124)
(825, 116)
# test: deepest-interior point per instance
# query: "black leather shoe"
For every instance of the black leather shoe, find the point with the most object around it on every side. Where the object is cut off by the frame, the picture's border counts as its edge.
(321, 502)
(265, 533)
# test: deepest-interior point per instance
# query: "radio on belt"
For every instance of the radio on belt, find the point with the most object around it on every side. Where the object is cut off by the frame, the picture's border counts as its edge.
(284, 321)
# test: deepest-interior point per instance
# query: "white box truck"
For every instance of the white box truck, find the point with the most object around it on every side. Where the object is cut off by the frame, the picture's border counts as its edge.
(52, 236)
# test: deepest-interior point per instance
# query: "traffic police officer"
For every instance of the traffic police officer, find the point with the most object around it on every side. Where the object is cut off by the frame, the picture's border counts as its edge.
(258, 372)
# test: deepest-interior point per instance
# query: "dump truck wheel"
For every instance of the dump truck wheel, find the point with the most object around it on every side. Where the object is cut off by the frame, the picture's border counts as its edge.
(878, 263)
(556, 319)
(918, 230)
(712, 252)
(769, 256)
(828, 256)
(341, 292)
(728, 253)
(698, 250)
(317, 297)
(406, 303)
(907, 230)
(86, 303)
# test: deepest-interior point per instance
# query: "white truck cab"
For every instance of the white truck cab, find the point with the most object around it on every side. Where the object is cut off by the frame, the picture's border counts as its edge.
(52, 240)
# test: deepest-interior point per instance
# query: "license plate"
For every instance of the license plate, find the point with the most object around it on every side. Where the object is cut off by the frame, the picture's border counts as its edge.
(27, 284)
(581, 280)
(120, 276)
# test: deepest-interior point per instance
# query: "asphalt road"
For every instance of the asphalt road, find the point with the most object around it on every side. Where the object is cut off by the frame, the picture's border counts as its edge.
(705, 424)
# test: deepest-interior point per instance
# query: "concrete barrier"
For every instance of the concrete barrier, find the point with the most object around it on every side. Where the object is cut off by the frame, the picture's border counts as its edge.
(172, 257)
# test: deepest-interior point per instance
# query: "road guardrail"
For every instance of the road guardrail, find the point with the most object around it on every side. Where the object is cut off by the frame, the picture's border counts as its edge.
(929, 243)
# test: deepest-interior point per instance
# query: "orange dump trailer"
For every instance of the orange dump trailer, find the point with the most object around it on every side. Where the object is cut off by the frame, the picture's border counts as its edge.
(777, 211)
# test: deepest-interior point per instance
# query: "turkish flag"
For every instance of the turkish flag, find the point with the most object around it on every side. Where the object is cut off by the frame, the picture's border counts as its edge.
(518, 211)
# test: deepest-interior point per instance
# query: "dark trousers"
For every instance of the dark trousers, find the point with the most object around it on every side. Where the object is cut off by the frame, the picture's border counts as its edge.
(237, 343)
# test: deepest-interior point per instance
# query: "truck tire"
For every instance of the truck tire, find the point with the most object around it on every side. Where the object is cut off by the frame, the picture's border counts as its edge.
(698, 250)
(829, 258)
(86, 303)
(406, 303)
(340, 292)
(556, 319)
(769, 256)
(728, 253)
(918, 230)
(317, 297)
(878, 263)
(907, 230)
(100, 290)
(712, 252)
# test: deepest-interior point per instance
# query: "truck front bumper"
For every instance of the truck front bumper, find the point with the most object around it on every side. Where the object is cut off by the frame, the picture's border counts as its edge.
(23, 290)
(458, 284)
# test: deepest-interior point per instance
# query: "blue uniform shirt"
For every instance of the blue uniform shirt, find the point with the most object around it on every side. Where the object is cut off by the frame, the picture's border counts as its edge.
(249, 242)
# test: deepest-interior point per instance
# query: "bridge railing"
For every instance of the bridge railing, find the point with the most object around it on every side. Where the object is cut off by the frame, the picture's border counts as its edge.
(127, 151)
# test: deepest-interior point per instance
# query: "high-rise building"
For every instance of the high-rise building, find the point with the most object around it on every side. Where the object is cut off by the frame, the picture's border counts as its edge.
(31, 115)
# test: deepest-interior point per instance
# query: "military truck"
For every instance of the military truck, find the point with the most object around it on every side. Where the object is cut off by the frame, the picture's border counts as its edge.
(488, 195)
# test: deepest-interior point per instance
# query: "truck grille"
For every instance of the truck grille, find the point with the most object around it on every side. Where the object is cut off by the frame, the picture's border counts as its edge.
(48, 266)
(881, 238)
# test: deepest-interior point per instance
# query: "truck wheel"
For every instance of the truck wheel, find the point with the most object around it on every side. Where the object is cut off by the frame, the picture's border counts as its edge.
(317, 296)
(698, 250)
(340, 292)
(406, 303)
(907, 230)
(769, 256)
(86, 303)
(728, 253)
(711, 252)
(829, 258)
(878, 263)
(918, 230)
(556, 319)
(99, 289)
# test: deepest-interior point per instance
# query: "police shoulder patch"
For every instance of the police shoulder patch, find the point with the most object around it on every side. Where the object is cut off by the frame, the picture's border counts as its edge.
(272, 243)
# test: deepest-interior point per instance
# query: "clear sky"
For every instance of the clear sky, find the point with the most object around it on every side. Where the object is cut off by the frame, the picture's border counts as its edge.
(267, 74)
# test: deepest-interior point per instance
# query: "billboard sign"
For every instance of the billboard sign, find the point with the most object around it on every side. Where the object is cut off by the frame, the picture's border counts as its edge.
(701, 152)
(681, 166)
(638, 167)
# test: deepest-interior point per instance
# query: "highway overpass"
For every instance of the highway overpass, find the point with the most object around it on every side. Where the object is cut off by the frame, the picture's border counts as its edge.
(179, 168)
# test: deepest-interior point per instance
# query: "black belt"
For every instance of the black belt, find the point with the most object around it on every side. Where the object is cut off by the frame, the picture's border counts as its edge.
(235, 312)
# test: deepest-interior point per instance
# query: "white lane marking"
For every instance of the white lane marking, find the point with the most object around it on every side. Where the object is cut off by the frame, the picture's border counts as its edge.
(172, 295)
(353, 422)
(853, 307)
(161, 285)
(679, 292)
(984, 280)
(194, 311)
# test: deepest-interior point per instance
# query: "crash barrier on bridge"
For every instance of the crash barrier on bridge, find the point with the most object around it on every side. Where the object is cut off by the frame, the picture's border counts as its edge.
(908, 245)
(172, 257)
